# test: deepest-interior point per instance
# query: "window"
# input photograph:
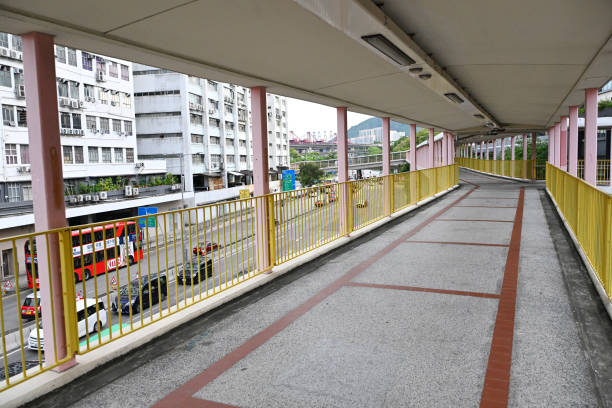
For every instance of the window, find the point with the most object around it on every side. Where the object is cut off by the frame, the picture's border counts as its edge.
(13, 191)
(229, 142)
(242, 143)
(8, 115)
(86, 61)
(10, 153)
(93, 154)
(242, 159)
(229, 159)
(22, 120)
(16, 42)
(4, 40)
(195, 98)
(76, 121)
(64, 120)
(118, 155)
(78, 155)
(229, 109)
(214, 140)
(5, 76)
(129, 155)
(91, 123)
(125, 72)
(197, 159)
(213, 122)
(89, 92)
(62, 88)
(127, 125)
(106, 155)
(24, 151)
(60, 54)
(212, 86)
(74, 89)
(197, 139)
(194, 80)
(241, 127)
(213, 104)
(116, 126)
(68, 158)
(127, 100)
(215, 159)
(72, 58)
(104, 125)
(229, 126)
(103, 95)
(115, 98)
(27, 192)
(195, 119)
(112, 70)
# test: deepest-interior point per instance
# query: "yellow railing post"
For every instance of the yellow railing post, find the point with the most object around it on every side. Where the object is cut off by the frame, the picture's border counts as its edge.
(271, 231)
(392, 193)
(68, 291)
(607, 245)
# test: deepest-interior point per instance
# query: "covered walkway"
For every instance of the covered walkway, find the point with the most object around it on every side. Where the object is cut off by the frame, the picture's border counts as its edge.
(477, 298)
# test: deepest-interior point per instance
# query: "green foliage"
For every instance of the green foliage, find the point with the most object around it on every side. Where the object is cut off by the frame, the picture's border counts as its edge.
(170, 179)
(294, 155)
(401, 144)
(374, 150)
(313, 156)
(600, 105)
(405, 167)
(309, 174)
(422, 135)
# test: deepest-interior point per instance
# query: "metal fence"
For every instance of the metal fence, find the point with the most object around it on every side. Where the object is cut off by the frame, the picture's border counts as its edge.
(120, 276)
(352, 161)
(602, 171)
(588, 212)
(524, 169)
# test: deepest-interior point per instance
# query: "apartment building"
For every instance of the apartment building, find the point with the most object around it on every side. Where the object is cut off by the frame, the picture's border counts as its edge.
(202, 128)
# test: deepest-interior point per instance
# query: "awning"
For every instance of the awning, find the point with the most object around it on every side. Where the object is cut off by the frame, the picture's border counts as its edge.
(235, 173)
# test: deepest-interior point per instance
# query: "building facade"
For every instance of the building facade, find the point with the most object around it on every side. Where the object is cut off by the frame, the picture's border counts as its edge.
(202, 128)
(374, 135)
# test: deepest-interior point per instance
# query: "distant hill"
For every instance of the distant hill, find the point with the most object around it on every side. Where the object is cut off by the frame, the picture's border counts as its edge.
(374, 123)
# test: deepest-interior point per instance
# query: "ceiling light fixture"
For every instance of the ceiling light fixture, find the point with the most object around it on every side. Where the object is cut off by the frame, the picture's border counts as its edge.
(454, 97)
(415, 70)
(479, 116)
(425, 76)
(382, 44)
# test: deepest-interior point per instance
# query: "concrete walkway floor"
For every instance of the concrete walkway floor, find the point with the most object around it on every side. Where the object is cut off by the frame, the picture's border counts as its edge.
(462, 303)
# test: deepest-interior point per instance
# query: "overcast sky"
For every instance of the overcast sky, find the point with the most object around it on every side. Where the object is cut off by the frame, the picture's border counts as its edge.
(307, 116)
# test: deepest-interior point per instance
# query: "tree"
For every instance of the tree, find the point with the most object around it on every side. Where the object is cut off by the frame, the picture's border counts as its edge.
(422, 135)
(294, 155)
(401, 144)
(374, 150)
(309, 174)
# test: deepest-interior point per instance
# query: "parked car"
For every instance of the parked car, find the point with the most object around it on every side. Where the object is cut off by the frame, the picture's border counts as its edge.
(362, 204)
(139, 291)
(319, 203)
(189, 272)
(210, 246)
(95, 322)
(30, 306)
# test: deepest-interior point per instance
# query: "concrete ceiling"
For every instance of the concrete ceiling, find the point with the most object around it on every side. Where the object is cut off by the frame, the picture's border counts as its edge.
(519, 64)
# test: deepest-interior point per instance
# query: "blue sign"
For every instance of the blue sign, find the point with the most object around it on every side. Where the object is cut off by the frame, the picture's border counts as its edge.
(150, 221)
(288, 180)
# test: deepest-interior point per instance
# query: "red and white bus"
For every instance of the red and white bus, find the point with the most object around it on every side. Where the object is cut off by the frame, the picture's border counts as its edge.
(92, 262)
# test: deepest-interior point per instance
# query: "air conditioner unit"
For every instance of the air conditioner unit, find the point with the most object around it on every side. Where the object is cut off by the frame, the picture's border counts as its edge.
(174, 187)
(100, 76)
(211, 111)
(139, 165)
(23, 169)
(113, 103)
(80, 104)
(12, 123)
(64, 102)
(74, 104)
(128, 191)
(80, 198)
(19, 56)
(87, 197)
(192, 105)
(135, 191)
(13, 54)
(103, 195)
(73, 200)
(21, 91)
(4, 52)
(96, 197)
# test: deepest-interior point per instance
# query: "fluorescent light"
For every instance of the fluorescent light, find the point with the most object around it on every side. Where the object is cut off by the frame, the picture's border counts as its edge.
(415, 70)
(425, 76)
(479, 116)
(453, 97)
(382, 44)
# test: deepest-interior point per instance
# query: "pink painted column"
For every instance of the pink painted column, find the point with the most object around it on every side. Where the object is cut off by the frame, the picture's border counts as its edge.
(452, 148)
(572, 165)
(47, 186)
(413, 143)
(430, 149)
(525, 167)
(346, 192)
(386, 146)
(260, 174)
(513, 148)
(482, 150)
(445, 149)
(563, 143)
(525, 146)
(557, 137)
(503, 148)
(551, 145)
(590, 136)
(494, 149)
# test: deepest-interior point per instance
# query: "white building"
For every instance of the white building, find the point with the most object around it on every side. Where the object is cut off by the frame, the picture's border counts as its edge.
(202, 128)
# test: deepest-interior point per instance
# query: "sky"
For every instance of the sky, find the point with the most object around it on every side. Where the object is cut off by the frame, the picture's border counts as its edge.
(307, 116)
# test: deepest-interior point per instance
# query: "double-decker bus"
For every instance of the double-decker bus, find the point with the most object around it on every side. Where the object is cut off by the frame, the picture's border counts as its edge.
(94, 261)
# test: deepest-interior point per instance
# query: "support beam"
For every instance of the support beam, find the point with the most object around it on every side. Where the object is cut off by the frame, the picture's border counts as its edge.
(494, 149)
(260, 175)
(445, 149)
(525, 147)
(572, 164)
(345, 189)
(413, 144)
(590, 136)
(557, 137)
(563, 143)
(513, 148)
(551, 145)
(430, 149)
(47, 188)
(386, 146)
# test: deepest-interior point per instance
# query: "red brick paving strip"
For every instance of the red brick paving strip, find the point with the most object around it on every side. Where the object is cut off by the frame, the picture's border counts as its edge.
(485, 206)
(468, 220)
(456, 243)
(497, 379)
(420, 289)
(183, 396)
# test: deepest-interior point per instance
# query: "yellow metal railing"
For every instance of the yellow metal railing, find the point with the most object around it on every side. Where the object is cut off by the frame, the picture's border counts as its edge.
(588, 212)
(603, 171)
(119, 276)
(523, 169)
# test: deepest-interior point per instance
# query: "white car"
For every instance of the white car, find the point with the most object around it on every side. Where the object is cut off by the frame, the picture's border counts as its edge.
(94, 322)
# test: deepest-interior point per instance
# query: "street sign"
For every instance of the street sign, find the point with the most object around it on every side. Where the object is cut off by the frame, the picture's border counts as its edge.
(8, 285)
(244, 193)
(288, 180)
(113, 283)
(150, 221)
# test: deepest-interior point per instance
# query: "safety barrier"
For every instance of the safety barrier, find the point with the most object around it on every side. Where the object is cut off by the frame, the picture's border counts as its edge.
(523, 169)
(120, 276)
(602, 169)
(588, 212)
